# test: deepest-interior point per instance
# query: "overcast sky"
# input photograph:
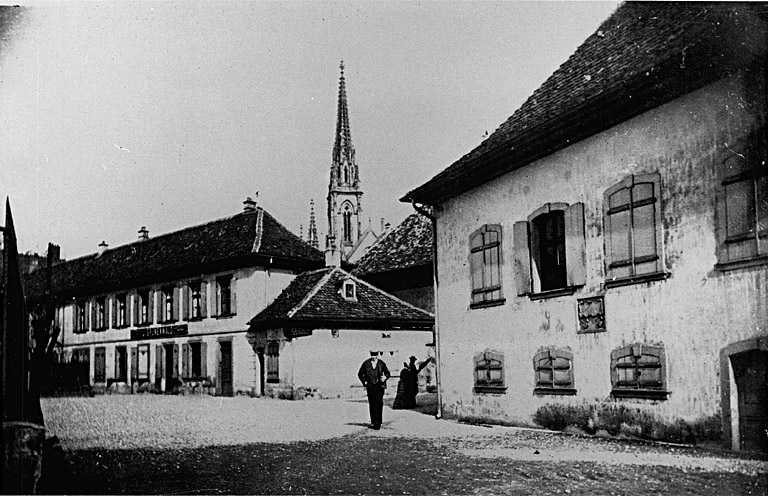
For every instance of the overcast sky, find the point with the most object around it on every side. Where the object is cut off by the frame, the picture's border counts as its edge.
(168, 115)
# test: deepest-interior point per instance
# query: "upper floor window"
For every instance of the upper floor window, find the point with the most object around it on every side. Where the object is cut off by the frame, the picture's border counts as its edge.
(550, 255)
(346, 216)
(742, 203)
(632, 217)
(485, 259)
(120, 311)
(639, 370)
(80, 316)
(489, 372)
(169, 302)
(554, 372)
(100, 314)
(196, 300)
(225, 296)
(143, 307)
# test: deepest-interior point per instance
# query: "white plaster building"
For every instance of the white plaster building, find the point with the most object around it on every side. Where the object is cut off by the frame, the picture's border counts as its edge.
(609, 242)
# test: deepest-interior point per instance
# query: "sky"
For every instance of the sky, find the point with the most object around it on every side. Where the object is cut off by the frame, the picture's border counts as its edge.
(115, 116)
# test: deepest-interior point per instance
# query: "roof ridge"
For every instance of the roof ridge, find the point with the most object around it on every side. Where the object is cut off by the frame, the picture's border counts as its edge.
(259, 230)
(312, 293)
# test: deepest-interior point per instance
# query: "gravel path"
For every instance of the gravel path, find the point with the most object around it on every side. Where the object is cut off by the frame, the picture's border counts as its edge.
(176, 422)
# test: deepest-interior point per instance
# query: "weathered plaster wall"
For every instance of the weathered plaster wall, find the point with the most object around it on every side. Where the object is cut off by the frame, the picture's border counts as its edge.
(694, 313)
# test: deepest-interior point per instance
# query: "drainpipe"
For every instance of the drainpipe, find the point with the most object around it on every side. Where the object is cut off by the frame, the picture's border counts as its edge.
(436, 331)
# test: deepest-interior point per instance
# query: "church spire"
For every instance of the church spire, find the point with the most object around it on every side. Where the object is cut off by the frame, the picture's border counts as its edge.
(312, 233)
(344, 169)
(344, 193)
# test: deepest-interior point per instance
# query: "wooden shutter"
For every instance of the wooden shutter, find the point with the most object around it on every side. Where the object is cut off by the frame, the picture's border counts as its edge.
(575, 245)
(134, 364)
(204, 359)
(203, 299)
(158, 363)
(136, 305)
(113, 309)
(185, 294)
(176, 302)
(522, 258)
(175, 361)
(185, 360)
(233, 296)
(88, 314)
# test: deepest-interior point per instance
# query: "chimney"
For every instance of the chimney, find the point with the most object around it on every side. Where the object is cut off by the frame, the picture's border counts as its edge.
(143, 233)
(249, 205)
(54, 253)
(332, 253)
(103, 247)
(382, 224)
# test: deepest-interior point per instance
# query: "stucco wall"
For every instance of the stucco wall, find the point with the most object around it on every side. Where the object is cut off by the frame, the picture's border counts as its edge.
(694, 313)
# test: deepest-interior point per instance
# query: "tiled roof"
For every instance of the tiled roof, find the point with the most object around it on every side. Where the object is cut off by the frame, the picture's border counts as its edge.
(248, 238)
(314, 300)
(645, 54)
(408, 245)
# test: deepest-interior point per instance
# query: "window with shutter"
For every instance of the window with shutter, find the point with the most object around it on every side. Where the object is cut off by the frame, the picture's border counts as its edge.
(549, 250)
(553, 371)
(224, 296)
(485, 260)
(742, 203)
(273, 362)
(100, 364)
(639, 370)
(121, 364)
(489, 372)
(632, 220)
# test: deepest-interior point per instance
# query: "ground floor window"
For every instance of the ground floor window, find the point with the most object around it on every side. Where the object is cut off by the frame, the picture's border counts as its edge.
(553, 371)
(82, 357)
(273, 357)
(194, 360)
(121, 364)
(142, 369)
(100, 364)
(489, 372)
(639, 370)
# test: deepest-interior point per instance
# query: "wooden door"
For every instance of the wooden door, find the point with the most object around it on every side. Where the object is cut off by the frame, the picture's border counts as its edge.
(751, 373)
(225, 368)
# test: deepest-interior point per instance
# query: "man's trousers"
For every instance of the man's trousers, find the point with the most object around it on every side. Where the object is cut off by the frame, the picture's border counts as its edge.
(375, 403)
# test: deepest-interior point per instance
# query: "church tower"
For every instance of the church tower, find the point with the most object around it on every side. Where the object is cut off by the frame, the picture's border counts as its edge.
(312, 234)
(344, 193)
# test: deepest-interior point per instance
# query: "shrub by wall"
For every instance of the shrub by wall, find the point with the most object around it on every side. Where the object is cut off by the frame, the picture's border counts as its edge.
(617, 419)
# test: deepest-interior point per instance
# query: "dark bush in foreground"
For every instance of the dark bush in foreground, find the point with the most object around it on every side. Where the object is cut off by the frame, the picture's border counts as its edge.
(631, 422)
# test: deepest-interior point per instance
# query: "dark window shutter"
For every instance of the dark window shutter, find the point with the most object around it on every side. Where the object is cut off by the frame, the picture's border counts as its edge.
(185, 360)
(522, 258)
(233, 296)
(88, 314)
(134, 364)
(204, 299)
(185, 295)
(204, 359)
(575, 245)
(113, 308)
(158, 362)
(175, 361)
(136, 305)
(176, 302)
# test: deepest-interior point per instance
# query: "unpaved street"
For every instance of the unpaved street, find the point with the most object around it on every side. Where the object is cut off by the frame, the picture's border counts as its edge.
(206, 445)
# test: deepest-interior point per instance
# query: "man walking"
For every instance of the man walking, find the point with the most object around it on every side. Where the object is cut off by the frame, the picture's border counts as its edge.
(373, 374)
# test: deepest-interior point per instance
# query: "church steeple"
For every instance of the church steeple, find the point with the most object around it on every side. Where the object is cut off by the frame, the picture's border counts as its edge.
(344, 193)
(312, 234)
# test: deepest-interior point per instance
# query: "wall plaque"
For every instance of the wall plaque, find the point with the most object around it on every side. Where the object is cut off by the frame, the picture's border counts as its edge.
(591, 314)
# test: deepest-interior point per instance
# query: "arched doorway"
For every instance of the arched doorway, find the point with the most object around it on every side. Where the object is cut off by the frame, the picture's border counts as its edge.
(744, 377)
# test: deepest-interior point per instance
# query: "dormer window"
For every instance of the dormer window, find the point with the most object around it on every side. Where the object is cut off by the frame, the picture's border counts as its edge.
(349, 290)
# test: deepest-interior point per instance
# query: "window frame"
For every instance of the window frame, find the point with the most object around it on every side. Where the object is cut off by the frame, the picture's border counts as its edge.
(100, 322)
(636, 351)
(121, 311)
(553, 354)
(80, 317)
(143, 307)
(121, 366)
(273, 362)
(527, 276)
(485, 290)
(630, 182)
(196, 300)
(744, 161)
(482, 363)
(169, 304)
(230, 296)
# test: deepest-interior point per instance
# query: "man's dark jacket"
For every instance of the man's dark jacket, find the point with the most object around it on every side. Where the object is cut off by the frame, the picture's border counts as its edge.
(369, 375)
